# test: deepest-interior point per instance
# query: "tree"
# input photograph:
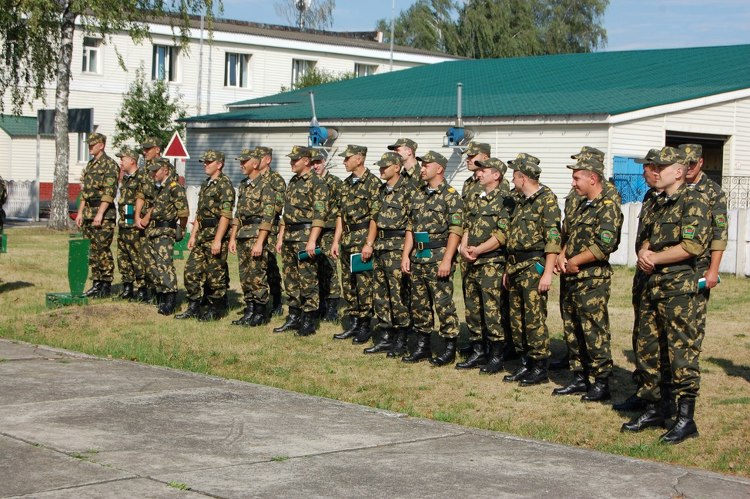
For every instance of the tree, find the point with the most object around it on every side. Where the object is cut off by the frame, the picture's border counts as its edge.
(426, 25)
(319, 15)
(148, 111)
(318, 77)
(498, 28)
(37, 50)
(568, 26)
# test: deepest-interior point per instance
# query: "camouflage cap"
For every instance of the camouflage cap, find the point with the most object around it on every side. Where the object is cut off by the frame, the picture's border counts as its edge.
(589, 152)
(669, 156)
(495, 163)
(300, 152)
(318, 155)
(390, 158)
(434, 157)
(262, 151)
(649, 158)
(693, 152)
(151, 142)
(589, 164)
(212, 155)
(475, 148)
(404, 142)
(95, 138)
(246, 154)
(352, 149)
(127, 151)
(158, 163)
(526, 164)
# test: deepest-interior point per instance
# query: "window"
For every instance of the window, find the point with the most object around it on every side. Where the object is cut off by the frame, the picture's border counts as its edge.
(91, 59)
(236, 70)
(300, 68)
(364, 70)
(83, 148)
(164, 65)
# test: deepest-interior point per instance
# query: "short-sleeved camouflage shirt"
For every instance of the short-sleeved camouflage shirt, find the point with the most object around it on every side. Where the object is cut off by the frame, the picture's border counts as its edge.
(129, 186)
(215, 200)
(535, 226)
(100, 185)
(170, 203)
(717, 203)
(360, 203)
(438, 212)
(305, 203)
(335, 185)
(256, 206)
(394, 212)
(488, 216)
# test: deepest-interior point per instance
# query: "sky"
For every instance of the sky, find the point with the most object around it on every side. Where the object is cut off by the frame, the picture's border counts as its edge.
(630, 24)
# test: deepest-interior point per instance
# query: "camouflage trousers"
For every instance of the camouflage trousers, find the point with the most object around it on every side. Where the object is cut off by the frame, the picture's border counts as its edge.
(528, 313)
(204, 270)
(300, 277)
(390, 290)
(253, 271)
(272, 266)
(328, 269)
(130, 250)
(701, 311)
(483, 284)
(158, 255)
(586, 324)
(670, 321)
(101, 261)
(356, 287)
(431, 294)
(639, 285)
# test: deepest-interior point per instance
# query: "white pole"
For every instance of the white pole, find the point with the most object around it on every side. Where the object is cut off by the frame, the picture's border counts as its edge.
(38, 175)
(393, 28)
(198, 102)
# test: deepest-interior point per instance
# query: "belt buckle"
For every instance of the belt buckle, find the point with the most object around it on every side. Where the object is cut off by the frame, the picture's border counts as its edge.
(512, 259)
(420, 246)
(381, 234)
(346, 229)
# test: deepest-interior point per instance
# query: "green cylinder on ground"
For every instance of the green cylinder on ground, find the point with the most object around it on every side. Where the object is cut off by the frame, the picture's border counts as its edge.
(78, 264)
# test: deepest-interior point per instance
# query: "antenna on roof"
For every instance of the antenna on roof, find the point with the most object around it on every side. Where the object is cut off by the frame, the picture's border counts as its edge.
(457, 136)
(302, 7)
(319, 136)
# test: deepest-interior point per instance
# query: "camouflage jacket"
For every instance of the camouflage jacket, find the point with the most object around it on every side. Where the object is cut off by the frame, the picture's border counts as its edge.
(437, 212)
(335, 185)
(256, 206)
(645, 217)
(683, 218)
(169, 203)
(717, 203)
(592, 225)
(411, 177)
(279, 185)
(535, 226)
(215, 200)
(394, 213)
(305, 203)
(360, 203)
(470, 189)
(100, 185)
(488, 216)
(129, 186)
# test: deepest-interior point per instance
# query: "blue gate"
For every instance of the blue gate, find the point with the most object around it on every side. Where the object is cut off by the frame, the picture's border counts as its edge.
(628, 178)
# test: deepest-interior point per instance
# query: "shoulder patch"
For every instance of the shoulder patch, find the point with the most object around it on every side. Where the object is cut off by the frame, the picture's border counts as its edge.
(227, 206)
(608, 201)
(688, 232)
(173, 184)
(553, 234)
(502, 225)
(721, 221)
(607, 236)
(451, 189)
(456, 219)
(319, 206)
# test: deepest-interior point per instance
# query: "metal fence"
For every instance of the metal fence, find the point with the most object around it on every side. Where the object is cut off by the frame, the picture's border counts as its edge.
(737, 190)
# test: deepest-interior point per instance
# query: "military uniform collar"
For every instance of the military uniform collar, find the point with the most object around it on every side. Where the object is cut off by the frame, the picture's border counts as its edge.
(539, 191)
(680, 190)
(411, 172)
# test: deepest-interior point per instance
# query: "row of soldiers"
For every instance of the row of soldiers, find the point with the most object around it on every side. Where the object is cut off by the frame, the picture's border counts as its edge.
(397, 243)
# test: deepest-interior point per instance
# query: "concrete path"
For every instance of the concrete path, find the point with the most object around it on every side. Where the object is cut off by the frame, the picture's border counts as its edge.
(79, 427)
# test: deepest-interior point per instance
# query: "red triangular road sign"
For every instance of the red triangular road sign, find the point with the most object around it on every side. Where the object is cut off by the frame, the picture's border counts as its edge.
(176, 148)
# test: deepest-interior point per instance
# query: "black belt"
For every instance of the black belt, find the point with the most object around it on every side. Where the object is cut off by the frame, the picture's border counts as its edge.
(299, 226)
(94, 203)
(432, 245)
(251, 220)
(328, 230)
(352, 227)
(515, 257)
(165, 224)
(209, 222)
(390, 233)
(491, 254)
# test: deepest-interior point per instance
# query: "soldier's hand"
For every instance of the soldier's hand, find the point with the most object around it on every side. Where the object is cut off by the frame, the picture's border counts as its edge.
(505, 280)
(366, 252)
(278, 245)
(97, 220)
(560, 263)
(233, 246)
(215, 247)
(257, 250)
(79, 220)
(310, 248)
(645, 262)
(545, 283)
(335, 250)
(444, 269)
(405, 266)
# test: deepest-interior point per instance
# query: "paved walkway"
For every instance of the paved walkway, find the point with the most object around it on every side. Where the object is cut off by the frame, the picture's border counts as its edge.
(76, 426)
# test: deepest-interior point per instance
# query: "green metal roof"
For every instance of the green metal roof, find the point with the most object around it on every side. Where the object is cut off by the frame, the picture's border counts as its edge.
(18, 126)
(607, 83)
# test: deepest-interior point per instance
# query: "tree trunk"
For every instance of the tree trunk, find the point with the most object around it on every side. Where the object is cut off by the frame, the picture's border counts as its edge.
(58, 217)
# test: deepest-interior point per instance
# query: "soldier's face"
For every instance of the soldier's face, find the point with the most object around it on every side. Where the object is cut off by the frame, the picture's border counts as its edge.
(151, 153)
(428, 171)
(470, 162)
(161, 174)
(517, 180)
(668, 175)
(582, 182)
(126, 163)
(388, 172)
(318, 167)
(212, 168)
(246, 166)
(95, 149)
(693, 169)
(488, 176)
(650, 174)
(352, 162)
(299, 165)
(404, 151)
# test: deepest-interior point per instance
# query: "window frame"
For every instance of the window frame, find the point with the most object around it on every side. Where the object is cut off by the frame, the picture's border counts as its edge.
(240, 67)
(370, 69)
(88, 51)
(169, 63)
(309, 65)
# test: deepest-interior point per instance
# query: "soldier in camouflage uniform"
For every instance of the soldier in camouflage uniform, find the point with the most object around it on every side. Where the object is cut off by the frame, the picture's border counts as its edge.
(129, 236)
(483, 250)
(590, 232)
(206, 268)
(679, 236)
(96, 214)
(390, 294)
(253, 221)
(407, 149)
(533, 242)
(168, 218)
(433, 233)
(356, 232)
(265, 154)
(303, 220)
(328, 268)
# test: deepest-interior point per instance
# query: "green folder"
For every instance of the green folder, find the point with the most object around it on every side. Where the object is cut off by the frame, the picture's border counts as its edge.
(357, 265)
(702, 283)
(539, 268)
(422, 237)
(303, 255)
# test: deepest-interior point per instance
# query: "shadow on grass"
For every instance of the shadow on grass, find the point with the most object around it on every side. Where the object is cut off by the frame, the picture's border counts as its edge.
(12, 286)
(732, 369)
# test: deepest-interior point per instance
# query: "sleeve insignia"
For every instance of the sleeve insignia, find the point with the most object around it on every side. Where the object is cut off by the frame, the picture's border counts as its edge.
(268, 210)
(226, 206)
(456, 219)
(502, 225)
(319, 206)
(721, 221)
(553, 234)
(688, 232)
(607, 236)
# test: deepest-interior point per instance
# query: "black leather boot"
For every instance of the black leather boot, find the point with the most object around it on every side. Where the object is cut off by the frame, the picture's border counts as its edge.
(142, 295)
(668, 405)
(246, 316)
(93, 290)
(277, 307)
(399, 343)
(599, 391)
(423, 350)
(580, 384)
(519, 373)
(477, 358)
(159, 297)
(331, 310)
(685, 426)
(537, 373)
(632, 403)
(260, 316)
(384, 345)
(105, 290)
(509, 351)
(308, 325)
(652, 417)
(364, 332)
(168, 303)
(193, 310)
(560, 364)
(127, 291)
(495, 361)
(216, 309)
(292, 322)
(350, 331)
(449, 354)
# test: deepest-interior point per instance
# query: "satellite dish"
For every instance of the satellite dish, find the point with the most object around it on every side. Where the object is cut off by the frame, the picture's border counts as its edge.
(303, 5)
